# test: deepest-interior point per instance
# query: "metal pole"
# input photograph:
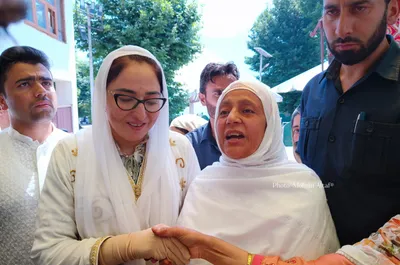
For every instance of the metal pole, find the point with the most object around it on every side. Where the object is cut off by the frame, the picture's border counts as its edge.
(90, 52)
(261, 66)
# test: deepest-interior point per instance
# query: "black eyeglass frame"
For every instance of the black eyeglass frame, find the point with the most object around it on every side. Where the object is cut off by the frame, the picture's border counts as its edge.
(116, 96)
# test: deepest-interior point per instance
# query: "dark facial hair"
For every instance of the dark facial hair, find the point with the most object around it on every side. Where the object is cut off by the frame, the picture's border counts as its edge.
(351, 57)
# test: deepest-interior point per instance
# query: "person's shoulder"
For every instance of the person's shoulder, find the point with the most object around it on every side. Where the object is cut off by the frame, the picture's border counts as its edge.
(4, 133)
(4, 138)
(315, 82)
(302, 169)
(177, 139)
(294, 171)
(198, 130)
(196, 135)
(59, 134)
(181, 146)
(67, 142)
(310, 181)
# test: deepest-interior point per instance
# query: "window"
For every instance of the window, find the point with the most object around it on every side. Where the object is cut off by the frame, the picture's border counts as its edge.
(47, 16)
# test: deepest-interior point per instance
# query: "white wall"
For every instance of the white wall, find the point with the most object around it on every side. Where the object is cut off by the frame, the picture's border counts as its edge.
(63, 89)
(61, 54)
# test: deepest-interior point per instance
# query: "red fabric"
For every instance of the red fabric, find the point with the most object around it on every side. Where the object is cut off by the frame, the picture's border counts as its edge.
(330, 259)
(394, 30)
(257, 260)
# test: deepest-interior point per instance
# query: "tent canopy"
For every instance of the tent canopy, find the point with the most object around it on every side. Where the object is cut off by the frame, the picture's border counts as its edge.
(298, 82)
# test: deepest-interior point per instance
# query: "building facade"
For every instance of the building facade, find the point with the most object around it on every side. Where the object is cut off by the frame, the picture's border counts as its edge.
(49, 27)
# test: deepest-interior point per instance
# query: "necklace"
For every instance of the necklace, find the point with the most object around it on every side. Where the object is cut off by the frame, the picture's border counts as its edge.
(135, 165)
(137, 187)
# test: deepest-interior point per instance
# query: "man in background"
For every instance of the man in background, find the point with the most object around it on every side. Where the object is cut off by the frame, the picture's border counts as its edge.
(214, 79)
(350, 117)
(27, 93)
(295, 124)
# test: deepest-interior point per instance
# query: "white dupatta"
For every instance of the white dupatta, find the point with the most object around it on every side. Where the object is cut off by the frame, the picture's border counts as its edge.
(104, 200)
(271, 150)
(263, 203)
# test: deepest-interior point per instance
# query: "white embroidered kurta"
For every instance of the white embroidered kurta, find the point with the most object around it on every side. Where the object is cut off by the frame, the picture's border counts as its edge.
(23, 166)
(57, 240)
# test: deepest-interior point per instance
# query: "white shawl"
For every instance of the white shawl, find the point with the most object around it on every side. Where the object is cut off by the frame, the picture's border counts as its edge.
(105, 202)
(263, 203)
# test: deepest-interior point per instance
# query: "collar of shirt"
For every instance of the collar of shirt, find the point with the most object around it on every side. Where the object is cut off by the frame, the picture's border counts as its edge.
(139, 146)
(55, 135)
(14, 134)
(388, 66)
(207, 134)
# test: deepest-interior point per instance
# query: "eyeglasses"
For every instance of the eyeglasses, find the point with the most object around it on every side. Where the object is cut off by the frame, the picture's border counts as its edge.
(127, 103)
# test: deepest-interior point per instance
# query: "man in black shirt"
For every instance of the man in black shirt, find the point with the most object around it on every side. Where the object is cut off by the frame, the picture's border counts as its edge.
(350, 117)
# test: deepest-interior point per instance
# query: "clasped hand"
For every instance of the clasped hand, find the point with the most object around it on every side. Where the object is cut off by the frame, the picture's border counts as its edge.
(142, 245)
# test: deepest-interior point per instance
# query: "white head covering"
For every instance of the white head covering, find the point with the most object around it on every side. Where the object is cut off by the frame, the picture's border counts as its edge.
(262, 203)
(271, 150)
(188, 122)
(105, 202)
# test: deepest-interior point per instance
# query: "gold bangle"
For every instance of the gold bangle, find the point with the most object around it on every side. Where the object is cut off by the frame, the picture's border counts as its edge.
(95, 250)
(250, 258)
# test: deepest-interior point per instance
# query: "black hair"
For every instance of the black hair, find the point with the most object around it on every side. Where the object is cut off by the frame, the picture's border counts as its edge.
(19, 54)
(215, 69)
(120, 63)
(183, 130)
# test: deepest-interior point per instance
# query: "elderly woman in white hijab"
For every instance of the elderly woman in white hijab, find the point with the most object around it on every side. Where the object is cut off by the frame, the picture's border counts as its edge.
(254, 197)
(109, 184)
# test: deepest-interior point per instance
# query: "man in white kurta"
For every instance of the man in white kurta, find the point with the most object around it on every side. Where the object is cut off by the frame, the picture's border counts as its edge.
(22, 172)
(25, 147)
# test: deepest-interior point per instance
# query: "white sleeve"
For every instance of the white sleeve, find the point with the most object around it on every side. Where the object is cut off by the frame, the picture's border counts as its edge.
(193, 168)
(57, 240)
(186, 161)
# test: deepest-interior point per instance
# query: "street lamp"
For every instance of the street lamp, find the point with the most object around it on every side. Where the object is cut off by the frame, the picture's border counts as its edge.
(92, 10)
(262, 53)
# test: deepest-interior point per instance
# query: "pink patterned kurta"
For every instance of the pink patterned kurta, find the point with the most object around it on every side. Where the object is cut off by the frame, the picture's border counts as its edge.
(394, 30)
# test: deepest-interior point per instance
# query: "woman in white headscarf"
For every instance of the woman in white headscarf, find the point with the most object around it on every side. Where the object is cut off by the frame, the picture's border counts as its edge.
(254, 197)
(107, 185)
(186, 123)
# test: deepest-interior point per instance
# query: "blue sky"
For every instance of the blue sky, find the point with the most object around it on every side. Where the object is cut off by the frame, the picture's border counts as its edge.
(226, 26)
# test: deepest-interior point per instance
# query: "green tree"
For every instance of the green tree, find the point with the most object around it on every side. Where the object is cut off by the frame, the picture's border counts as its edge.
(82, 81)
(284, 31)
(291, 100)
(313, 12)
(167, 28)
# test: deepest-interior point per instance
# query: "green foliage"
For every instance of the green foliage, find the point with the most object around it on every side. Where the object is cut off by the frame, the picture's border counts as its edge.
(284, 31)
(82, 80)
(178, 100)
(291, 101)
(167, 28)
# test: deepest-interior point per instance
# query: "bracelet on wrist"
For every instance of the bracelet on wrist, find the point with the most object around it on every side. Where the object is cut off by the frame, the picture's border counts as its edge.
(250, 258)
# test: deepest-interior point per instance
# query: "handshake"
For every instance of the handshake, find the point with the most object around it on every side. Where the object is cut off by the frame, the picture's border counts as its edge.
(169, 245)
